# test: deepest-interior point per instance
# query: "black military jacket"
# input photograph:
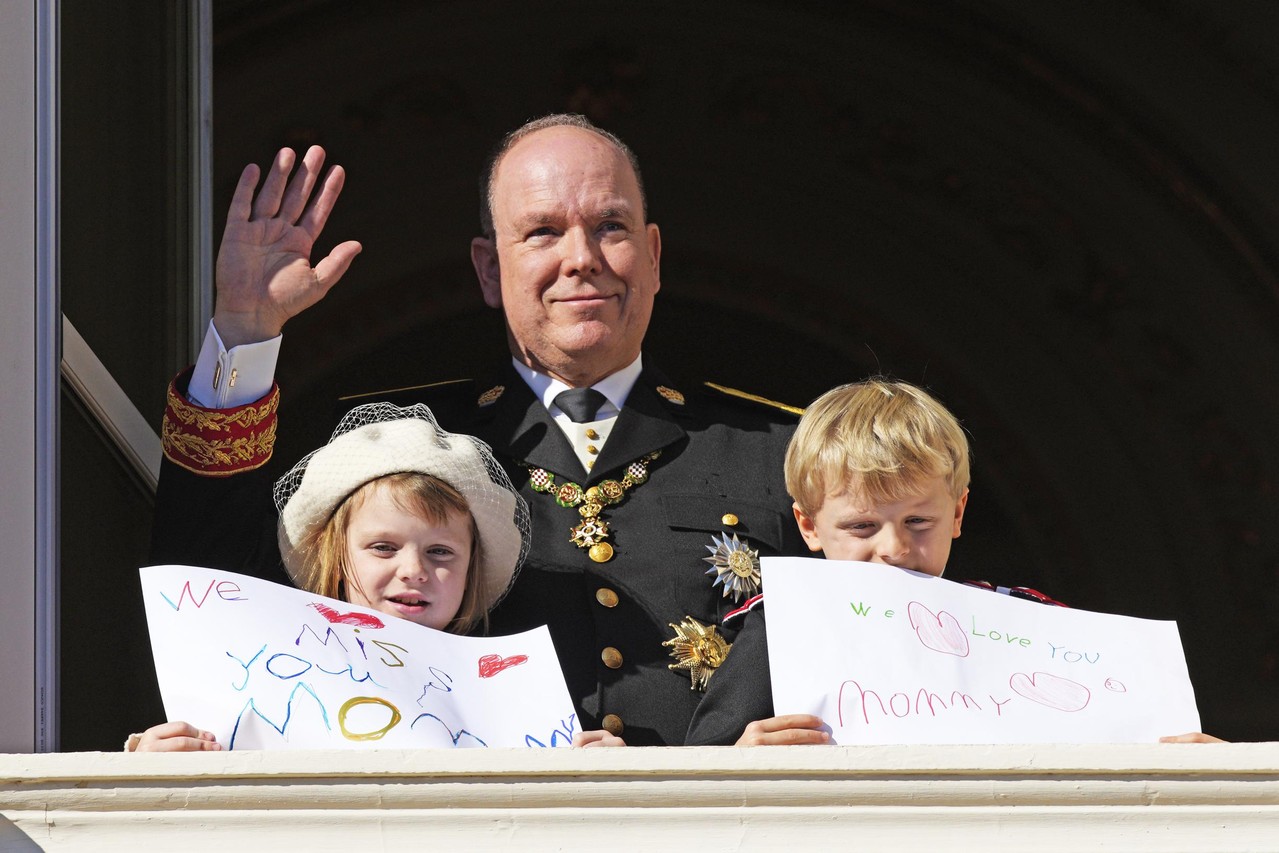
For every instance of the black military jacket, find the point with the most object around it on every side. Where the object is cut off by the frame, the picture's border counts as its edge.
(720, 457)
(741, 691)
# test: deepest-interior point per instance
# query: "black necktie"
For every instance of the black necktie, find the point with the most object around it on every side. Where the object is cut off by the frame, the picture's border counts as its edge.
(580, 404)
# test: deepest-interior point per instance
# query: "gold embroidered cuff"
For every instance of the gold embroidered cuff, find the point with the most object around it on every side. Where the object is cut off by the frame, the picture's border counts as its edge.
(218, 442)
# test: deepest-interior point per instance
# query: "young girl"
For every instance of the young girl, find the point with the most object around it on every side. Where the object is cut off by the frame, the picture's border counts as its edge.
(397, 515)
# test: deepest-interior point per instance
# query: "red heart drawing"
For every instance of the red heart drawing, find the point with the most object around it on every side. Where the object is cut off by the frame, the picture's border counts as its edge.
(940, 632)
(1050, 690)
(491, 665)
(338, 618)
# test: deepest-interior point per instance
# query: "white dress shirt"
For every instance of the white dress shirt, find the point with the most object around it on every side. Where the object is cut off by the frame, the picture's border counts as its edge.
(587, 439)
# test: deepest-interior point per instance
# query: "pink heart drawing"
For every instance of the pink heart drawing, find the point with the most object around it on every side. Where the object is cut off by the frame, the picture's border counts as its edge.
(491, 665)
(940, 632)
(1050, 690)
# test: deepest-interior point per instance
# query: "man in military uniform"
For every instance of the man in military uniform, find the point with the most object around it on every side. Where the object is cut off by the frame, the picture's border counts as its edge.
(650, 505)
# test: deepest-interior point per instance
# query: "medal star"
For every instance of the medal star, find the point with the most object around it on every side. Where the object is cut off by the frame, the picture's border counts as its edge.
(697, 648)
(735, 566)
(589, 532)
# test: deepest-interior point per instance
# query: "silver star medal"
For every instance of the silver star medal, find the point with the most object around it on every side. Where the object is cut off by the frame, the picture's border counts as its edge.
(735, 565)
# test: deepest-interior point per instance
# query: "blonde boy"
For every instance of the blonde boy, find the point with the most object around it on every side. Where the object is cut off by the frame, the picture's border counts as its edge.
(878, 471)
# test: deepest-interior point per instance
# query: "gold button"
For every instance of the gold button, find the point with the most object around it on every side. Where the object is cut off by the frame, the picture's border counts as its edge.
(729, 519)
(590, 448)
(612, 724)
(592, 434)
(606, 597)
(612, 657)
(590, 463)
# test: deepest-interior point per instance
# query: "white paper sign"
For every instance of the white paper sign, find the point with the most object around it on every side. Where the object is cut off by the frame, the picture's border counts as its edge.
(891, 656)
(265, 666)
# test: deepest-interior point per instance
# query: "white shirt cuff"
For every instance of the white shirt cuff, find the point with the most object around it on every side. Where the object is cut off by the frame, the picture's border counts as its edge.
(225, 379)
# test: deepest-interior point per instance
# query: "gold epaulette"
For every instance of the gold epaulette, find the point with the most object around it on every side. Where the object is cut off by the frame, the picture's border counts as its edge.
(389, 392)
(754, 398)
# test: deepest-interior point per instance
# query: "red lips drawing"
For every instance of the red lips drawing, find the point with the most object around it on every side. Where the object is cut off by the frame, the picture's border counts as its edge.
(491, 665)
(940, 632)
(360, 620)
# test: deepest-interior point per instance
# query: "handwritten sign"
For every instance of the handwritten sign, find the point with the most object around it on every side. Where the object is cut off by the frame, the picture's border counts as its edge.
(891, 656)
(265, 666)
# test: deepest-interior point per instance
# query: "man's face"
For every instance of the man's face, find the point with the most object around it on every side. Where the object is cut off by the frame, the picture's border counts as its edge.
(572, 262)
(914, 533)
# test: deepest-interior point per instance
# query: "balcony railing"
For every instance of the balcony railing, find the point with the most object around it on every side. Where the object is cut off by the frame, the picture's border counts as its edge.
(937, 798)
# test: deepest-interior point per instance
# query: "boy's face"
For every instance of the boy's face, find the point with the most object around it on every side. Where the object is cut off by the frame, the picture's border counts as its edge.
(405, 565)
(913, 533)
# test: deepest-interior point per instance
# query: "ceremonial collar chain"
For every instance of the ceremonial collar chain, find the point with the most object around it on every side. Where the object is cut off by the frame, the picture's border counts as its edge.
(593, 530)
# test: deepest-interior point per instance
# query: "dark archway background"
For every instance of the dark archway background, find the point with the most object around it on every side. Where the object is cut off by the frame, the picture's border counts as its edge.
(1060, 217)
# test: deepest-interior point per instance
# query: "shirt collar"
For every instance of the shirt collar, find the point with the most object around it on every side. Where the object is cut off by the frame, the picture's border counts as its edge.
(616, 387)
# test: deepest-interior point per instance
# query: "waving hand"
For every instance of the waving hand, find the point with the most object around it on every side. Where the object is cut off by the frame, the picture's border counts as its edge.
(264, 272)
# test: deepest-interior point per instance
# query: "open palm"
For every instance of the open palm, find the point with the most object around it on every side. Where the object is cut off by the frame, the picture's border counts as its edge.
(264, 272)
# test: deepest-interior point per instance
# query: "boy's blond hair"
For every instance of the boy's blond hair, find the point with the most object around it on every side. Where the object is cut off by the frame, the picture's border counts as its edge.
(325, 568)
(879, 439)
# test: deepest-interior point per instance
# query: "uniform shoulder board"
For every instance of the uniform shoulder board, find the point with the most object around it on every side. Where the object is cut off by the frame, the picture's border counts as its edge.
(752, 398)
(447, 388)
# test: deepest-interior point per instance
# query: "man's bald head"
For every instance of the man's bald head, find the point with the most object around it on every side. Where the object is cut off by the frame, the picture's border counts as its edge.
(553, 120)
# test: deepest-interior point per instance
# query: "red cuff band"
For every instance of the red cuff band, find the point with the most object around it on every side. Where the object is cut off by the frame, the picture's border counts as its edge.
(218, 442)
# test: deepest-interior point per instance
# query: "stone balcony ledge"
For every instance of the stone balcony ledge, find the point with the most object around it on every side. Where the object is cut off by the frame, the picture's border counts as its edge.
(1045, 797)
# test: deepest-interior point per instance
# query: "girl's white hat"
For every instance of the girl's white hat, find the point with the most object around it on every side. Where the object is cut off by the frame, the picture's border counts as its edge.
(378, 439)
